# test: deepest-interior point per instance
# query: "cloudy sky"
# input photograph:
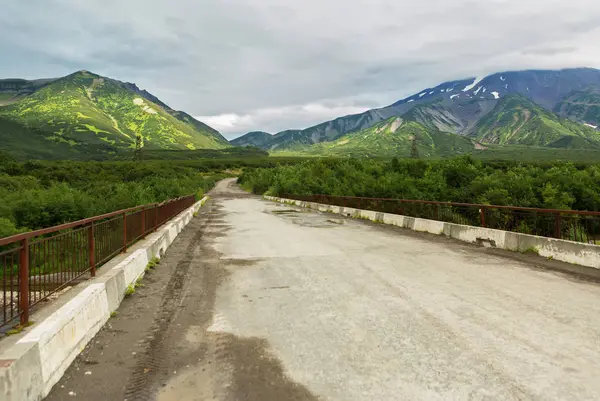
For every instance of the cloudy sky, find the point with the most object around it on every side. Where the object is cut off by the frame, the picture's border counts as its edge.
(242, 65)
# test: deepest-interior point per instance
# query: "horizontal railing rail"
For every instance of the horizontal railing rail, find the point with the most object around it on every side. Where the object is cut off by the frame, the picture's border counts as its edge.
(37, 264)
(573, 225)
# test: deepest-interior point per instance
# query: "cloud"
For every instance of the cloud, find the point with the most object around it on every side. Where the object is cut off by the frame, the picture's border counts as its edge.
(247, 58)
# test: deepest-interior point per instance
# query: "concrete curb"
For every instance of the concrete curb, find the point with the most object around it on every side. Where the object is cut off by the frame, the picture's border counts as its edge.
(34, 361)
(577, 253)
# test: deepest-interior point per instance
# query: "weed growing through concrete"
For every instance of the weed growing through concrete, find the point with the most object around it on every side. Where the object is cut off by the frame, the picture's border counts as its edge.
(138, 283)
(129, 291)
(18, 328)
(532, 249)
(152, 264)
(114, 313)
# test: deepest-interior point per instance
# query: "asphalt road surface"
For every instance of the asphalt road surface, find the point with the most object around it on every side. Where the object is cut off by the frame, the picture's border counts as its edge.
(265, 302)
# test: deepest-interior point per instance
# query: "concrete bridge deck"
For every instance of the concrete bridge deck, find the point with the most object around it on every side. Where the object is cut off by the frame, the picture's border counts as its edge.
(263, 302)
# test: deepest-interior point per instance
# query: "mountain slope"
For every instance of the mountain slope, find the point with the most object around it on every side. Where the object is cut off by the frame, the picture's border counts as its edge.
(391, 137)
(255, 138)
(456, 106)
(84, 110)
(582, 106)
(517, 120)
(13, 90)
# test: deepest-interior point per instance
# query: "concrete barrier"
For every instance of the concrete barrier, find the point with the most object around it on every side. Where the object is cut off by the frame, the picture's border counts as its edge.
(577, 253)
(35, 360)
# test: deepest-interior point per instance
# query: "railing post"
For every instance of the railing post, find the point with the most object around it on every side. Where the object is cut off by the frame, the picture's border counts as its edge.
(155, 217)
(24, 281)
(124, 232)
(92, 250)
(482, 216)
(143, 223)
(557, 224)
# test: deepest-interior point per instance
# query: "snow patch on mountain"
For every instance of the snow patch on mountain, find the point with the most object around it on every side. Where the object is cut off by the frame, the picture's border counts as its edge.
(422, 94)
(590, 125)
(475, 82)
(453, 96)
(496, 95)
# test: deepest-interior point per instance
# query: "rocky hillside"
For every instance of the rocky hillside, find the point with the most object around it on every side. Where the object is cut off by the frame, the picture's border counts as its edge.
(84, 113)
(391, 137)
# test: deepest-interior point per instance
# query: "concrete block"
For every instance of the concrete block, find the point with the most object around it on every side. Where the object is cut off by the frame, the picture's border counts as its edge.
(64, 334)
(511, 241)
(367, 214)
(565, 251)
(428, 226)
(476, 235)
(133, 266)
(114, 282)
(393, 219)
(409, 222)
(21, 373)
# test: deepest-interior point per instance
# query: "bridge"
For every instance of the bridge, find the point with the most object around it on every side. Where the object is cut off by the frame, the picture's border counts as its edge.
(255, 300)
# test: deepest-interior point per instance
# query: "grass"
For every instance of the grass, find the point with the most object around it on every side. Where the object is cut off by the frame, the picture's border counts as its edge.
(153, 263)
(532, 250)
(130, 290)
(19, 328)
(114, 314)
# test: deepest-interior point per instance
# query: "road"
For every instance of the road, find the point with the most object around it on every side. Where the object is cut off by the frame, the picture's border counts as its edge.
(264, 302)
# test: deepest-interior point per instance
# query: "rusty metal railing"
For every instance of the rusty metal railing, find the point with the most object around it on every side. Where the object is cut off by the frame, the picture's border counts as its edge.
(573, 225)
(37, 264)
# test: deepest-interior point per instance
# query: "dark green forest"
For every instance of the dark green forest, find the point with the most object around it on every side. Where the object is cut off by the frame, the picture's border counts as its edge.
(39, 194)
(557, 185)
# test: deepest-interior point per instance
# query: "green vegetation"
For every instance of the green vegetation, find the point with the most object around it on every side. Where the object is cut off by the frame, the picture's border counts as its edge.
(40, 194)
(130, 290)
(559, 185)
(152, 264)
(582, 106)
(43, 194)
(86, 115)
(517, 120)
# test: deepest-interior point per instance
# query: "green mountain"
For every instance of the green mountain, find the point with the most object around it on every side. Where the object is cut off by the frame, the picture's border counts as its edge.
(87, 114)
(582, 106)
(517, 120)
(391, 137)
(255, 138)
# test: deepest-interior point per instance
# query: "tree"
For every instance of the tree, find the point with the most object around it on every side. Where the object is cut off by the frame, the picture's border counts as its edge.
(139, 144)
(414, 152)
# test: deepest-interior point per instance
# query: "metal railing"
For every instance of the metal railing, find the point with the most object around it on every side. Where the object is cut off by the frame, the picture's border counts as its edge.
(573, 225)
(37, 264)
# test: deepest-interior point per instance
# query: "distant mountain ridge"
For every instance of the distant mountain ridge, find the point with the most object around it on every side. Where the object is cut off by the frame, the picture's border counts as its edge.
(457, 107)
(86, 114)
(389, 138)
